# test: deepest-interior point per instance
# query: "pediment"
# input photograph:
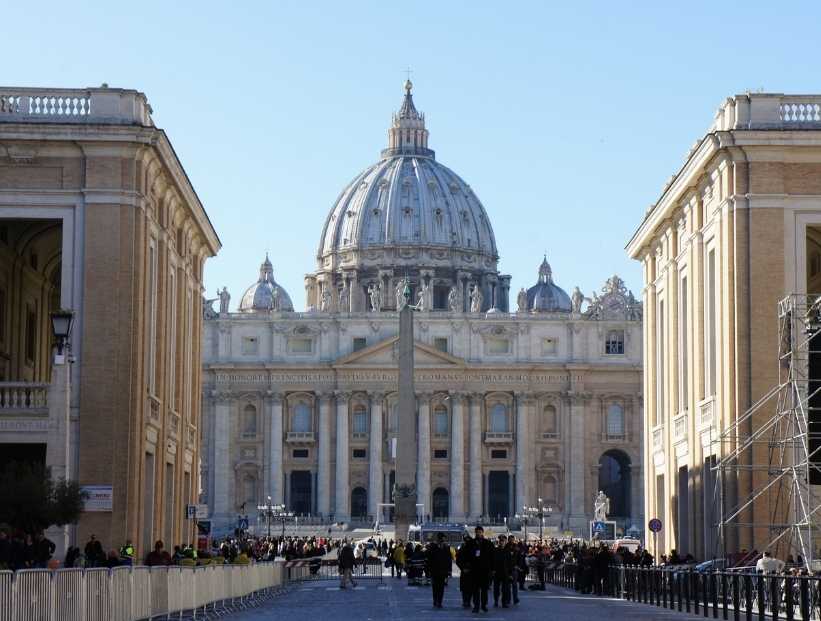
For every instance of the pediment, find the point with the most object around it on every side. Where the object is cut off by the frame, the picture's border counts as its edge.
(386, 354)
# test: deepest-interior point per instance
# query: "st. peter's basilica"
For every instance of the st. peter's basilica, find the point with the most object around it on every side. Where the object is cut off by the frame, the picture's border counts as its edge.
(541, 401)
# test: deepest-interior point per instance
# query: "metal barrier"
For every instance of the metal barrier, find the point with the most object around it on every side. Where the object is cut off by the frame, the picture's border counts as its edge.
(135, 593)
(327, 569)
(733, 595)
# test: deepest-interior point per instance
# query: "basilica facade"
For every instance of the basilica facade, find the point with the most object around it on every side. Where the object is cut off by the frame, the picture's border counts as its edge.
(543, 401)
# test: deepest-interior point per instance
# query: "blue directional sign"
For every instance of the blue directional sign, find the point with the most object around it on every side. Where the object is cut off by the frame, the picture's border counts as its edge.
(599, 527)
(242, 523)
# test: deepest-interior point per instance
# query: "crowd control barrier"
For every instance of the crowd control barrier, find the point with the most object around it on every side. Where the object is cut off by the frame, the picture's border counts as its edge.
(137, 593)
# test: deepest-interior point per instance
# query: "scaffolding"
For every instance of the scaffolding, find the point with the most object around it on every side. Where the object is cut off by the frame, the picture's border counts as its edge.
(774, 449)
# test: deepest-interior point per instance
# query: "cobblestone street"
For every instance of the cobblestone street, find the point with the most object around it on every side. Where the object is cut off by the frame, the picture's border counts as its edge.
(395, 600)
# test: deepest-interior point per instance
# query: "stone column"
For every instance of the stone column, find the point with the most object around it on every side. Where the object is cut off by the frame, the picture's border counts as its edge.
(342, 508)
(275, 448)
(475, 457)
(375, 455)
(221, 504)
(522, 465)
(423, 456)
(323, 492)
(457, 458)
(577, 461)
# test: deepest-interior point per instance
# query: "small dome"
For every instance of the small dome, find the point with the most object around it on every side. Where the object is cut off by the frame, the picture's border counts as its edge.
(265, 294)
(545, 296)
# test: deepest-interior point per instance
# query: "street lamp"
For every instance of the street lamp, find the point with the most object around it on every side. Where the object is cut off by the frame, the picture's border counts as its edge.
(536, 512)
(274, 512)
(61, 323)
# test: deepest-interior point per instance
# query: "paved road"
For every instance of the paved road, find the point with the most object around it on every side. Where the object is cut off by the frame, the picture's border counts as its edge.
(393, 599)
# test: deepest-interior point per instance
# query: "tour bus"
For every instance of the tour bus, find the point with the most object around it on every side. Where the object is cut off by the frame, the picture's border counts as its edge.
(427, 532)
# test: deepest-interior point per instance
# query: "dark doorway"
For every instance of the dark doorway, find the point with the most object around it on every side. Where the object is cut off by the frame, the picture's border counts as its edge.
(441, 503)
(359, 502)
(614, 481)
(301, 492)
(23, 453)
(498, 502)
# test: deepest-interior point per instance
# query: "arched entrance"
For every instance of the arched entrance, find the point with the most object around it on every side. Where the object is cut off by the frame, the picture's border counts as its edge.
(498, 502)
(359, 502)
(441, 503)
(301, 492)
(614, 481)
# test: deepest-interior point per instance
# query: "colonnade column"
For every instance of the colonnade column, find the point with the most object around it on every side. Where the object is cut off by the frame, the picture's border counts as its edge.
(323, 492)
(375, 455)
(475, 457)
(457, 458)
(342, 506)
(522, 466)
(275, 447)
(577, 461)
(423, 455)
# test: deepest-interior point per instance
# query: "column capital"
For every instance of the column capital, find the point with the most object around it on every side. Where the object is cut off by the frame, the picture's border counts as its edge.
(458, 396)
(524, 396)
(577, 398)
(377, 397)
(223, 397)
(424, 397)
(342, 396)
(324, 395)
(273, 397)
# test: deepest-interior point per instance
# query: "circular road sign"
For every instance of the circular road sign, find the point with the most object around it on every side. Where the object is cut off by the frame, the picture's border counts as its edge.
(654, 525)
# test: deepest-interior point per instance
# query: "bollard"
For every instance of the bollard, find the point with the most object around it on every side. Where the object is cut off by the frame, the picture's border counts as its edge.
(804, 596)
(774, 598)
(714, 593)
(761, 603)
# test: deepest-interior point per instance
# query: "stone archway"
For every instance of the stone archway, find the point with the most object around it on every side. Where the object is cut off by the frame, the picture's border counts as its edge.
(441, 503)
(359, 502)
(614, 481)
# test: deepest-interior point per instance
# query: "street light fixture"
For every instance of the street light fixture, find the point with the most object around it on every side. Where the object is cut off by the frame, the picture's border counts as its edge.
(535, 512)
(275, 512)
(61, 323)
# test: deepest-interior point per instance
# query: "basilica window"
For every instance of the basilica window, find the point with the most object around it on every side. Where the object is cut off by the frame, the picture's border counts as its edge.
(360, 420)
(550, 427)
(301, 421)
(359, 342)
(549, 346)
(441, 343)
(440, 421)
(497, 346)
(249, 421)
(300, 345)
(249, 489)
(499, 419)
(250, 345)
(615, 421)
(615, 342)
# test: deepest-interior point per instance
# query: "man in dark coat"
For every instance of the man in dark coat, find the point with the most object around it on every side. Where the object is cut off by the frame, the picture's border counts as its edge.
(346, 565)
(439, 564)
(463, 556)
(502, 573)
(95, 557)
(481, 565)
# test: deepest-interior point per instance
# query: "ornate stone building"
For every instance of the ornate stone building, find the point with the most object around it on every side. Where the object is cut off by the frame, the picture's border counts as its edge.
(512, 406)
(97, 216)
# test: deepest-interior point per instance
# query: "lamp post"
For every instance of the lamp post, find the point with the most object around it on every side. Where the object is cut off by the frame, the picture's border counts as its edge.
(61, 323)
(278, 512)
(267, 511)
(537, 512)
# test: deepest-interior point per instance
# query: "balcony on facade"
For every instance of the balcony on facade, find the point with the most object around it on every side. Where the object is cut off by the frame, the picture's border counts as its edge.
(498, 437)
(550, 435)
(658, 437)
(706, 413)
(680, 426)
(102, 105)
(300, 437)
(769, 111)
(359, 435)
(23, 399)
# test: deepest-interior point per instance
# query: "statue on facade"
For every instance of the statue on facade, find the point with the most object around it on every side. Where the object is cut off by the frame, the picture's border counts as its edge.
(425, 302)
(476, 299)
(208, 311)
(343, 306)
(275, 298)
(400, 295)
(521, 301)
(375, 295)
(601, 507)
(325, 301)
(454, 300)
(576, 300)
(225, 299)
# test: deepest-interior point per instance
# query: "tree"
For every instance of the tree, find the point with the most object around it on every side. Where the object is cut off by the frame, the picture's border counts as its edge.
(31, 501)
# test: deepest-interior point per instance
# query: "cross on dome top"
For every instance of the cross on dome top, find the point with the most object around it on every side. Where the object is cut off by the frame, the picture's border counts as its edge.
(408, 134)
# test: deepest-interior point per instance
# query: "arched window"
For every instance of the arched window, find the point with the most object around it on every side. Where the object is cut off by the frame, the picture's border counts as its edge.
(360, 419)
(359, 502)
(302, 418)
(441, 504)
(614, 481)
(550, 427)
(498, 419)
(249, 490)
(249, 420)
(440, 420)
(615, 421)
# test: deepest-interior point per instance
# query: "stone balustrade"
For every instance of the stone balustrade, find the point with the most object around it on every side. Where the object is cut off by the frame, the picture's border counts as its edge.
(23, 398)
(498, 437)
(680, 426)
(768, 111)
(707, 413)
(92, 105)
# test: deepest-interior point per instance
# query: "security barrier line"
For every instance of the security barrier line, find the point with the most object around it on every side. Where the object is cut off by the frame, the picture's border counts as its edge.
(136, 593)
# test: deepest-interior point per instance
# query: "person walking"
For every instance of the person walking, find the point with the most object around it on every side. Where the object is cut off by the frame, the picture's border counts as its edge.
(481, 565)
(95, 556)
(463, 556)
(517, 580)
(439, 563)
(346, 565)
(501, 573)
(399, 558)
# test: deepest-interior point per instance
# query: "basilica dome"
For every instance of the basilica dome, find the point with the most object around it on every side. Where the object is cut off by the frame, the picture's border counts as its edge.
(408, 199)
(545, 296)
(265, 294)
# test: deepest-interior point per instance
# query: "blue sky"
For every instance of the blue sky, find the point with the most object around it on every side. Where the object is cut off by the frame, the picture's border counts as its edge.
(565, 119)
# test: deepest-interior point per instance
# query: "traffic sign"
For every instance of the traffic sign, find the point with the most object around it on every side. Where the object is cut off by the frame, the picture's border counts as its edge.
(202, 512)
(599, 527)
(242, 523)
(654, 525)
(190, 512)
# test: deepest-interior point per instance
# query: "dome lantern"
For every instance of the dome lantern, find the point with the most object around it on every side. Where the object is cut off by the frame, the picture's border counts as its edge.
(545, 296)
(265, 295)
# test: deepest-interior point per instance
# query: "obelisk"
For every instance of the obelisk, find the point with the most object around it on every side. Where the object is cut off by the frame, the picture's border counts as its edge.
(405, 490)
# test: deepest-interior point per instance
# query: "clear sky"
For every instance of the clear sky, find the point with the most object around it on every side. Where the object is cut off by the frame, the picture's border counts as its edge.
(565, 118)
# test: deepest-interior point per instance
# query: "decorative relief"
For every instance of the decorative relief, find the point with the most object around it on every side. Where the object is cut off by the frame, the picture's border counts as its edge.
(389, 375)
